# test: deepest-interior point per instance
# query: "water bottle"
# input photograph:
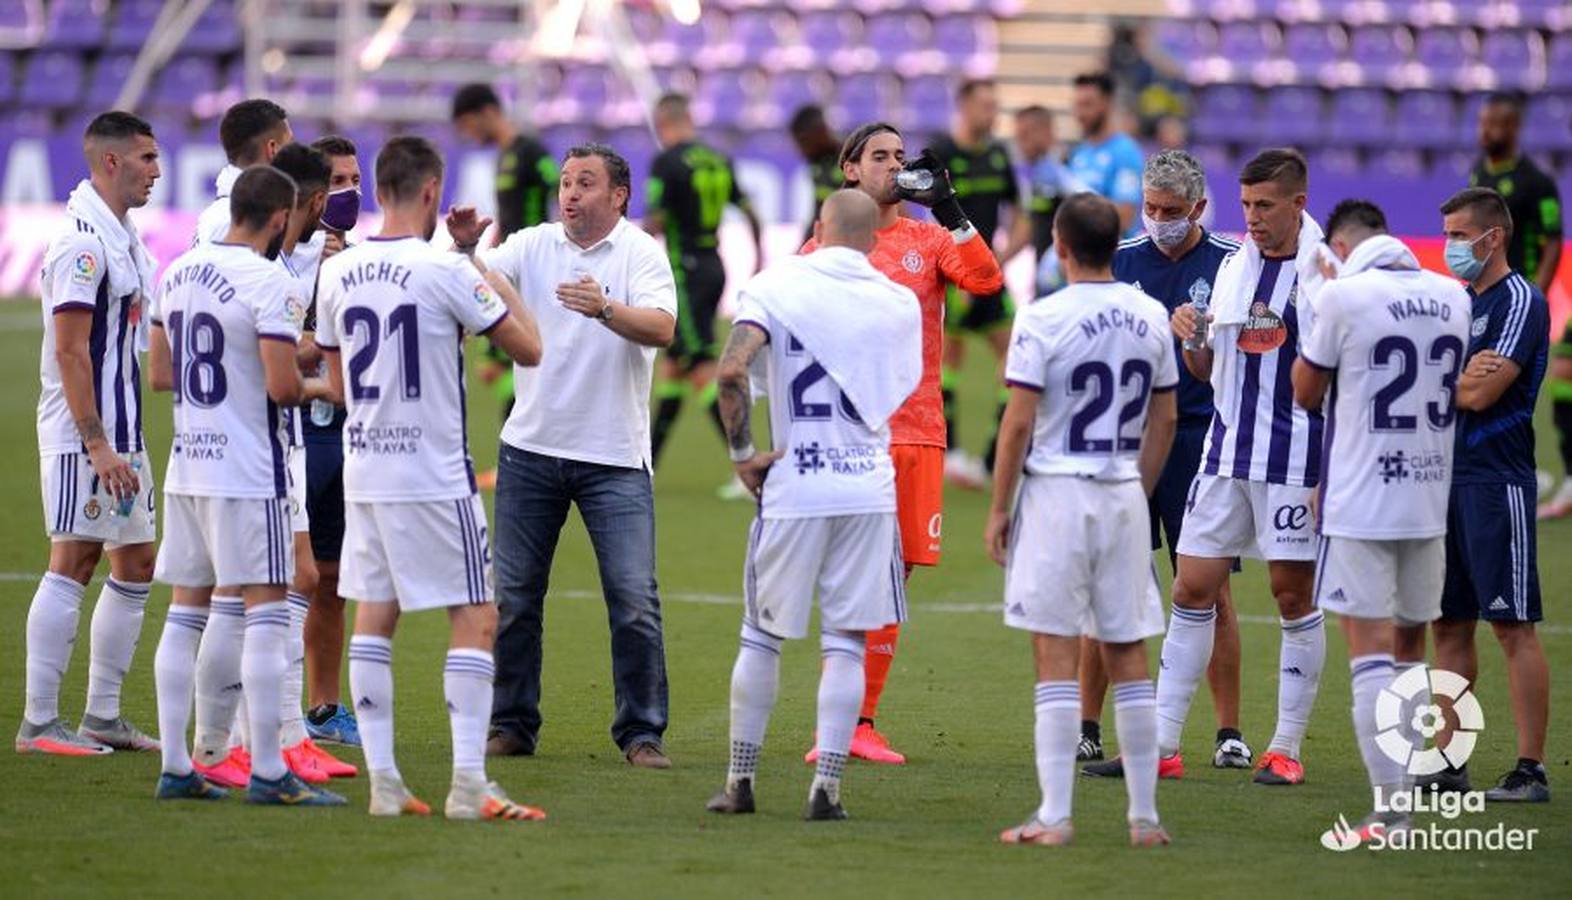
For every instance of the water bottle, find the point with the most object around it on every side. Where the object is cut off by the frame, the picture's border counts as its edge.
(124, 506)
(914, 179)
(322, 412)
(1197, 341)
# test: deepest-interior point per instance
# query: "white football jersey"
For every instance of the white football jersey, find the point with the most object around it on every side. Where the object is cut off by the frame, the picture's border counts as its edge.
(1272, 439)
(397, 312)
(1095, 352)
(834, 464)
(214, 220)
(217, 303)
(79, 279)
(1395, 341)
(300, 284)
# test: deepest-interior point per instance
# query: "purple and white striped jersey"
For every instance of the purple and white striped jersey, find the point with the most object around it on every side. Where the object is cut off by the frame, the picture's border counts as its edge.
(1272, 439)
(79, 279)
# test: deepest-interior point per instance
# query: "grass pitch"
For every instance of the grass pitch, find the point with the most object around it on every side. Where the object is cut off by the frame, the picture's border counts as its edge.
(959, 704)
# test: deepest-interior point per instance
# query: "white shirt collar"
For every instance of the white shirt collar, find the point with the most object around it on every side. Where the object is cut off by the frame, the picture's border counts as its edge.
(607, 241)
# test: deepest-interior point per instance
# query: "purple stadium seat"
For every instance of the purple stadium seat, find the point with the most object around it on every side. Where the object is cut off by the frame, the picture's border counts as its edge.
(109, 75)
(1551, 14)
(1558, 62)
(1291, 115)
(1215, 160)
(1359, 116)
(1468, 120)
(133, 22)
(791, 90)
(1379, 51)
(1186, 41)
(861, 100)
(183, 80)
(1396, 164)
(1424, 120)
(927, 102)
(1245, 43)
(74, 25)
(1310, 47)
(757, 31)
(891, 36)
(216, 31)
(1226, 113)
(1445, 55)
(827, 31)
(7, 78)
(722, 100)
(957, 37)
(1547, 123)
(53, 79)
(1515, 59)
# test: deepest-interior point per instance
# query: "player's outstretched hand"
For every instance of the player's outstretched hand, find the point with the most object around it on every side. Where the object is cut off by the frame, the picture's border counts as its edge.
(939, 191)
(332, 244)
(465, 226)
(754, 470)
(997, 536)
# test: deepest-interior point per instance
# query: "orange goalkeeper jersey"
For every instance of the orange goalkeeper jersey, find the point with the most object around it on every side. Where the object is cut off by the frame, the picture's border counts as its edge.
(924, 257)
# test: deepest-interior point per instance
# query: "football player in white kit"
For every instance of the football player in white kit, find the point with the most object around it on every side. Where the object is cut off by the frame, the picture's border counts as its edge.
(1259, 468)
(392, 315)
(1388, 340)
(97, 485)
(844, 352)
(1090, 420)
(223, 340)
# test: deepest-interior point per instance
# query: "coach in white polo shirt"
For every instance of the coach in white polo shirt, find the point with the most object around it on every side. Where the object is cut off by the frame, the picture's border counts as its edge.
(603, 293)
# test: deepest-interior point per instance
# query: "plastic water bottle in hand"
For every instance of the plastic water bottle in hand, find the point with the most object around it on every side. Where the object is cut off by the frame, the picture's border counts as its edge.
(1197, 341)
(124, 505)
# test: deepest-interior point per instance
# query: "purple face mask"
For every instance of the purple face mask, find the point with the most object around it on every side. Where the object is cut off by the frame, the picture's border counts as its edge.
(342, 210)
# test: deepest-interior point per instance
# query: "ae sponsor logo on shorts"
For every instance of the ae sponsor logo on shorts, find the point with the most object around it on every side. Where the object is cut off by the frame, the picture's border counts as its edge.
(1291, 518)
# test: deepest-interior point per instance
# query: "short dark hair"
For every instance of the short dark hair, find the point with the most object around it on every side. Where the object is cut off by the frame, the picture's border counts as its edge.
(474, 97)
(259, 192)
(971, 86)
(1511, 99)
(617, 170)
(309, 167)
(116, 125)
(672, 105)
(852, 147)
(1102, 81)
(1487, 208)
(1034, 111)
(335, 145)
(1088, 227)
(1356, 212)
(403, 166)
(1283, 165)
(245, 125)
(807, 118)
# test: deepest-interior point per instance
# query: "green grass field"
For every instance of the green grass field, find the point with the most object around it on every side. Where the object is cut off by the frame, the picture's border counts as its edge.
(959, 704)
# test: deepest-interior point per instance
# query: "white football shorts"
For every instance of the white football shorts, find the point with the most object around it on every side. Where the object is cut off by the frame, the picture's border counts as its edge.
(1397, 579)
(228, 541)
(428, 554)
(77, 508)
(1228, 517)
(854, 562)
(1080, 560)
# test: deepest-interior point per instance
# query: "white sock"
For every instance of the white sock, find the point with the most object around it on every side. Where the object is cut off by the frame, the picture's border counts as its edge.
(174, 670)
(466, 680)
(1135, 718)
(116, 627)
(755, 683)
(1058, 730)
(841, 683)
(51, 630)
(1300, 659)
(371, 684)
(218, 686)
(1186, 651)
(262, 668)
(1370, 675)
(292, 719)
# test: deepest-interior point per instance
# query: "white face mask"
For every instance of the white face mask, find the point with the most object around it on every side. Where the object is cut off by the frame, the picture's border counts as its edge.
(1167, 235)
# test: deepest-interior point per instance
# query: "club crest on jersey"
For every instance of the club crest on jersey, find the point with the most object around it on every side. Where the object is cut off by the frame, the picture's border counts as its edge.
(93, 509)
(1479, 325)
(1264, 331)
(1200, 291)
(912, 262)
(85, 268)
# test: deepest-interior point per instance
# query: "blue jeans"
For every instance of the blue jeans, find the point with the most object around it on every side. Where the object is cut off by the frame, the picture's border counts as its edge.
(618, 507)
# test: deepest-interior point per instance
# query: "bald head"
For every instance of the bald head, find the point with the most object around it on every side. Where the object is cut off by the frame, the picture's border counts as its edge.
(848, 218)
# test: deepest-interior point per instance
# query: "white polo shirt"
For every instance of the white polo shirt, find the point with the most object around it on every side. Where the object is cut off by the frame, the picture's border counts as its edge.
(589, 399)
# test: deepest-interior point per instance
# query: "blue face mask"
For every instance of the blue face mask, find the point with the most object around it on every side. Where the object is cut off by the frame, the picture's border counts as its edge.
(1460, 258)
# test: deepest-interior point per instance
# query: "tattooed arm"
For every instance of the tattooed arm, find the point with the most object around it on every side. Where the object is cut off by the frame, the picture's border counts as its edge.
(73, 328)
(735, 399)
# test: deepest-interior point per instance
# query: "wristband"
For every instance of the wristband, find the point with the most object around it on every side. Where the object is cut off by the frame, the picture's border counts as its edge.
(741, 454)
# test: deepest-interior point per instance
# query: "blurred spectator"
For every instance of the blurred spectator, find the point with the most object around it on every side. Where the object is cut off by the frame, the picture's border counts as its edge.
(1048, 180)
(821, 149)
(1107, 161)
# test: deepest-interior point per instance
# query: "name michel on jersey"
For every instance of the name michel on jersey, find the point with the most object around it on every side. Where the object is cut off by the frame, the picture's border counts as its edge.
(1109, 319)
(392, 273)
(1410, 307)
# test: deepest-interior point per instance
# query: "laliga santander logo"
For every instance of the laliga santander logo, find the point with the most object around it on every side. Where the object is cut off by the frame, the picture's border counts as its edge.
(1341, 836)
(1419, 686)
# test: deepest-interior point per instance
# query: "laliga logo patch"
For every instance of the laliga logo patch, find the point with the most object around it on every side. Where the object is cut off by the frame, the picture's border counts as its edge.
(912, 262)
(483, 294)
(85, 268)
(1264, 331)
(295, 308)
